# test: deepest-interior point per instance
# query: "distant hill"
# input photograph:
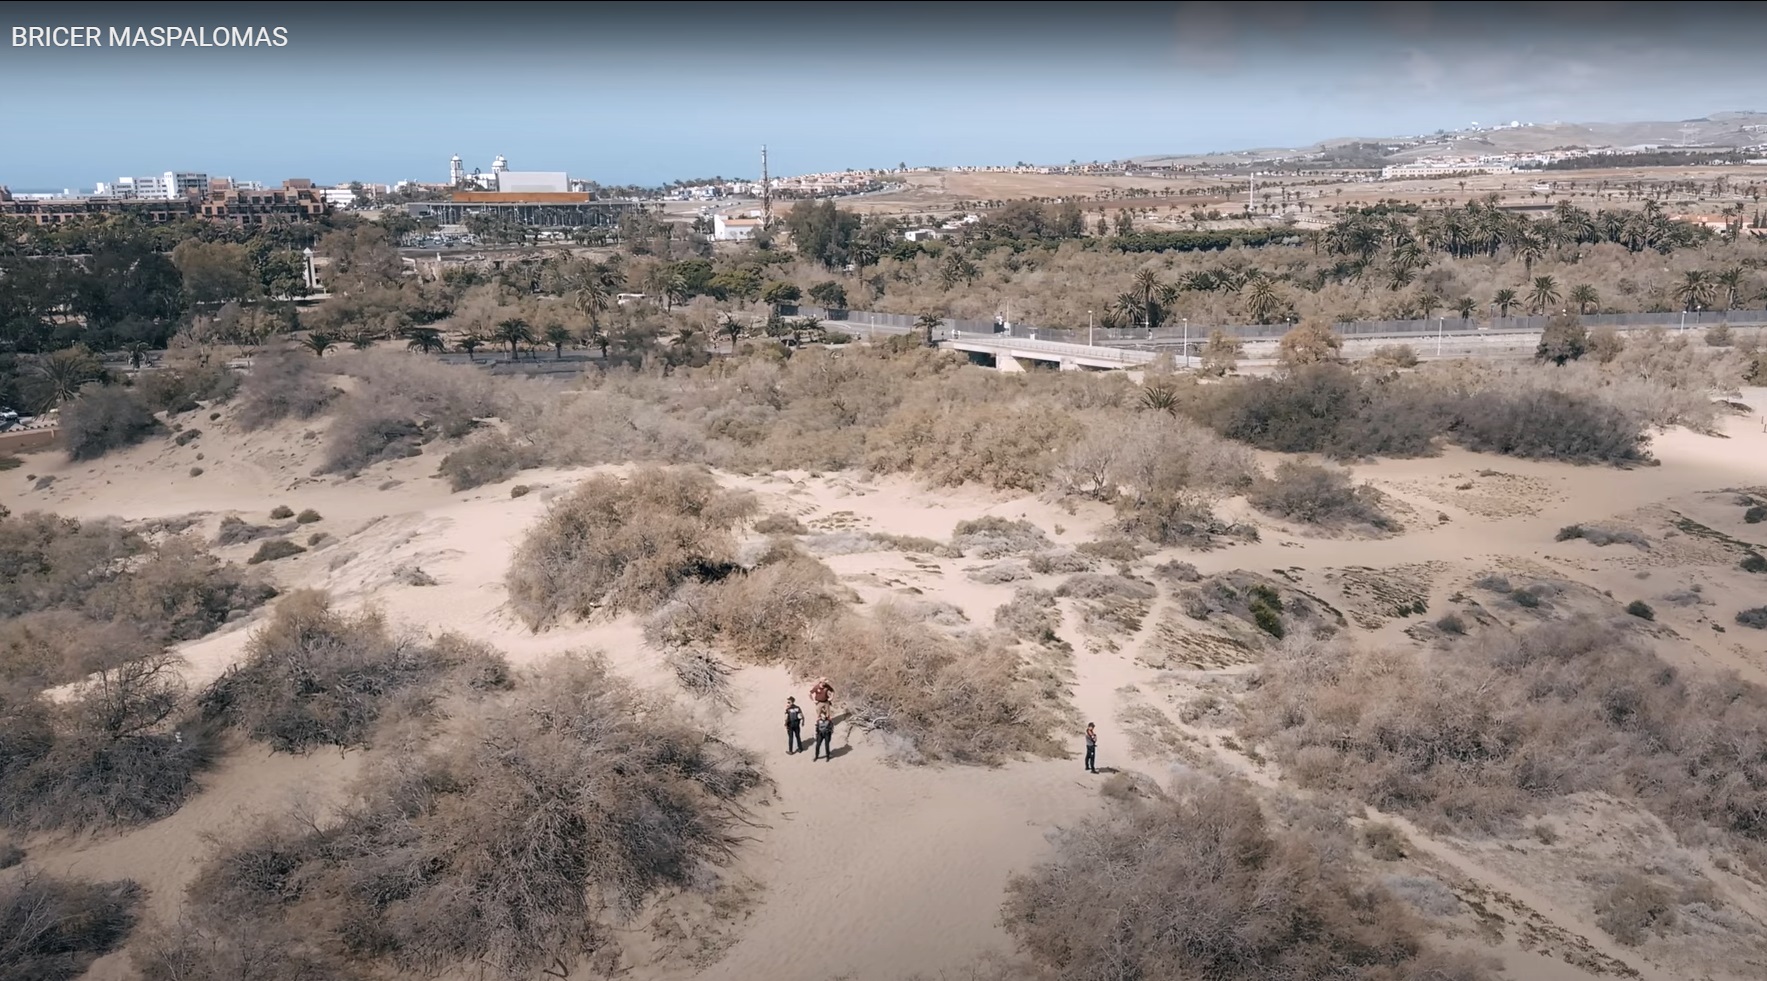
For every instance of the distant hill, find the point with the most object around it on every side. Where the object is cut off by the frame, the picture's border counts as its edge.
(1722, 129)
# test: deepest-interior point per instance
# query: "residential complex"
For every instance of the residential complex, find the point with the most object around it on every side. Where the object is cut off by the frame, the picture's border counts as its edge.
(296, 200)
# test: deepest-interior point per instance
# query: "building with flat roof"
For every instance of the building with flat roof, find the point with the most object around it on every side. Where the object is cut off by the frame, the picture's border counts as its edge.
(534, 209)
(59, 211)
(735, 228)
(295, 200)
(171, 184)
(519, 181)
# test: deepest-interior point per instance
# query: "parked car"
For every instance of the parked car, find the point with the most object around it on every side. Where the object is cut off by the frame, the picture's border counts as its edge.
(8, 419)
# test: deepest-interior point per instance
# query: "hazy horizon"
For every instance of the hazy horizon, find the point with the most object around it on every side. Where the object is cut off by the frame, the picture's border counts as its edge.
(372, 92)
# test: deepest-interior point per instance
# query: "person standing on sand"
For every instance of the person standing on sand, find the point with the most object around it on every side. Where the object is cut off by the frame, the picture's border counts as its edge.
(1091, 748)
(822, 693)
(824, 749)
(794, 727)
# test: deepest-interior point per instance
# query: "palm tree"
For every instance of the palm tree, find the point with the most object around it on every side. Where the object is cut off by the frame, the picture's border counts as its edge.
(513, 331)
(471, 343)
(1261, 298)
(558, 335)
(929, 322)
(318, 343)
(1584, 296)
(1465, 307)
(1732, 281)
(730, 327)
(425, 340)
(1695, 289)
(1504, 299)
(65, 372)
(600, 339)
(591, 296)
(362, 340)
(1544, 294)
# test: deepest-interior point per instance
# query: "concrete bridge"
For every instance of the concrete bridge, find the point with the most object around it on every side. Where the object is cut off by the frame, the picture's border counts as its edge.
(1018, 353)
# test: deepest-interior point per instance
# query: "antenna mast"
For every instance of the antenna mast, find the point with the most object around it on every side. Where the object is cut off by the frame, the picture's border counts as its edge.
(766, 192)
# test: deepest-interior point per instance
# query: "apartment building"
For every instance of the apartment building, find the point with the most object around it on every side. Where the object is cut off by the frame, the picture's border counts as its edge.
(295, 200)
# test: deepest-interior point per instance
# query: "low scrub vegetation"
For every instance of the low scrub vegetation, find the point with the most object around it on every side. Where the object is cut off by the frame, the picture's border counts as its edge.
(1478, 736)
(105, 418)
(398, 404)
(1318, 496)
(1197, 883)
(282, 384)
(313, 676)
(52, 929)
(273, 549)
(516, 844)
(617, 544)
(182, 388)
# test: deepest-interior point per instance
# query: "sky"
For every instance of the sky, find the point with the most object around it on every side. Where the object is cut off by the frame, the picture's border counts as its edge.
(652, 92)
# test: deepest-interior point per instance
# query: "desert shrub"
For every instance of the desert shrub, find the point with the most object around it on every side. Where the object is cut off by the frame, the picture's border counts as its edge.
(1756, 618)
(1009, 447)
(616, 544)
(515, 845)
(235, 950)
(1564, 338)
(520, 490)
(171, 590)
(52, 929)
(187, 437)
(281, 512)
(178, 389)
(1451, 624)
(401, 403)
(1478, 736)
(1641, 610)
(1525, 598)
(1396, 355)
(196, 471)
(111, 754)
(1325, 408)
(312, 676)
(307, 517)
(1030, 615)
(1061, 562)
(961, 699)
(1317, 496)
(1755, 515)
(487, 460)
(1605, 344)
(282, 384)
(1633, 908)
(1169, 475)
(51, 647)
(1093, 585)
(779, 523)
(1719, 335)
(993, 537)
(10, 854)
(1544, 424)
(1386, 842)
(1198, 884)
(1601, 537)
(105, 418)
(234, 530)
(1754, 562)
(1177, 571)
(765, 614)
(273, 549)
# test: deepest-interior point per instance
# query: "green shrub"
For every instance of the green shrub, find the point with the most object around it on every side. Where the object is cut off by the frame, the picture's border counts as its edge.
(273, 549)
(281, 512)
(307, 517)
(1641, 610)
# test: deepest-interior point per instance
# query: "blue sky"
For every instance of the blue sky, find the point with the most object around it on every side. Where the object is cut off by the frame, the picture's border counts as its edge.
(377, 92)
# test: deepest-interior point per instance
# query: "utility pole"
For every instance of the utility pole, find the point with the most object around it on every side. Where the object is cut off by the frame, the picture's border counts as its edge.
(1251, 196)
(766, 193)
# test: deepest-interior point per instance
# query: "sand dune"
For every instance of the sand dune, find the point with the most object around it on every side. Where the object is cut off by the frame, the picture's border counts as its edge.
(862, 869)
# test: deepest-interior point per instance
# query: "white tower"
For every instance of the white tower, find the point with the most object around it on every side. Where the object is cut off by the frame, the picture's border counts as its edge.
(499, 165)
(456, 171)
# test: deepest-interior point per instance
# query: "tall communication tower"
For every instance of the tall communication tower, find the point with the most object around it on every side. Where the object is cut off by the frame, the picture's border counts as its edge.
(766, 192)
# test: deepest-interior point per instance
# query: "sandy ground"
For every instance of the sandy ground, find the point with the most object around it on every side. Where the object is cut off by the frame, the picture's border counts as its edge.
(866, 870)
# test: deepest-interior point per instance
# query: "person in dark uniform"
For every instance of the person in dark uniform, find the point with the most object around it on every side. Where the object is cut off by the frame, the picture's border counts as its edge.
(1091, 748)
(794, 727)
(824, 749)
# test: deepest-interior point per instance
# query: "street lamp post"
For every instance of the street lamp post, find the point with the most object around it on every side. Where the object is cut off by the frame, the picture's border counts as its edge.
(1088, 328)
(1439, 334)
(1186, 343)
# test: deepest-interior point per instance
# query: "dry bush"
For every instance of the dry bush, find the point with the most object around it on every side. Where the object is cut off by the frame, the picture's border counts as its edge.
(171, 590)
(487, 459)
(1062, 562)
(113, 753)
(399, 404)
(308, 516)
(237, 531)
(180, 389)
(312, 676)
(10, 855)
(1479, 735)
(1634, 907)
(765, 614)
(1548, 425)
(1177, 571)
(273, 549)
(104, 418)
(1326, 408)
(1601, 537)
(1394, 356)
(280, 512)
(1199, 884)
(1319, 496)
(994, 537)
(1110, 603)
(1009, 447)
(1755, 617)
(1030, 615)
(936, 697)
(514, 846)
(282, 384)
(1167, 478)
(616, 544)
(51, 647)
(52, 929)
(779, 523)
(235, 950)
